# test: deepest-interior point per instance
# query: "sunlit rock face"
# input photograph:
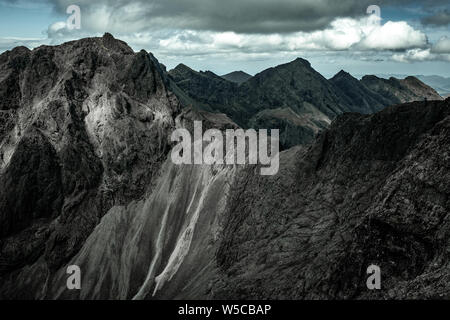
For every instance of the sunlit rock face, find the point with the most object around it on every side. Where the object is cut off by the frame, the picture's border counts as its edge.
(86, 179)
(162, 246)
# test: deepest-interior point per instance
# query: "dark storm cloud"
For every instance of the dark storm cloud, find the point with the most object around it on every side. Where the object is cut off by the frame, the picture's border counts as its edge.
(241, 16)
(438, 19)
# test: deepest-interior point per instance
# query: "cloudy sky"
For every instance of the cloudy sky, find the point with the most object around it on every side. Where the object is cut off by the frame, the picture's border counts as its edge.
(395, 37)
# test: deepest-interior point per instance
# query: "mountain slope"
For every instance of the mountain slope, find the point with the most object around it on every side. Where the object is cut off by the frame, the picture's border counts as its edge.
(420, 89)
(363, 99)
(207, 90)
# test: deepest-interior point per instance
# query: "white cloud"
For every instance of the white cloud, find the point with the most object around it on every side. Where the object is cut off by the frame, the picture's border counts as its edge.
(393, 36)
(420, 55)
(440, 51)
(56, 28)
(366, 37)
(412, 55)
(442, 46)
(240, 16)
(343, 34)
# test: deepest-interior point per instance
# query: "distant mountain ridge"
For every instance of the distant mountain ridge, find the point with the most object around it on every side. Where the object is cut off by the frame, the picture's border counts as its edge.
(264, 100)
(401, 90)
(237, 76)
(438, 83)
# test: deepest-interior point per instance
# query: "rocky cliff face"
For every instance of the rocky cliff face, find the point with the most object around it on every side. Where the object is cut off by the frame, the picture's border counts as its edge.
(371, 190)
(84, 127)
(86, 179)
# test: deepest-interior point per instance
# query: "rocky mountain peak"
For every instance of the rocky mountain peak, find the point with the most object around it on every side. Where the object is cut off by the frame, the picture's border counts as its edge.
(114, 44)
(302, 61)
(87, 124)
(181, 67)
(237, 76)
(344, 75)
(109, 36)
(369, 78)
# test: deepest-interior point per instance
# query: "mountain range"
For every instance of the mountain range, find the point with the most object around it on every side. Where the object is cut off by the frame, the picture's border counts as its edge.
(294, 97)
(86, 179)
